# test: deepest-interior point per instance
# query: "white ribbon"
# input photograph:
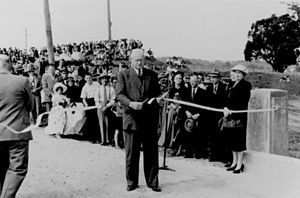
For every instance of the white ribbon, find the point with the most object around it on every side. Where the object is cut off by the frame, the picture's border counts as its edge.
(219, 110)
(39, 119)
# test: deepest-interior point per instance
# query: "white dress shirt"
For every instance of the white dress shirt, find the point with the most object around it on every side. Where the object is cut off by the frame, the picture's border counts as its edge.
(110, 96)
(89, 91)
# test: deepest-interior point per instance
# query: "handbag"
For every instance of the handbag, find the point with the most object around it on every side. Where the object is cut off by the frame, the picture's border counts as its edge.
(229, 123)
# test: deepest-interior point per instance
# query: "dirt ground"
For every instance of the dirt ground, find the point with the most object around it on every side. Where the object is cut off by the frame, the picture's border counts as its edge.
(65, 168)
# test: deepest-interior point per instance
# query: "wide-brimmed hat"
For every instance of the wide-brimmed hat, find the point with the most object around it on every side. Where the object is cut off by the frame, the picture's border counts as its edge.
(241, 68)
(30, 67)
(104, 75)
(190, 125)
(18, 67)
(59, 84)
(63, 71)
(70, 79)
(215, 72)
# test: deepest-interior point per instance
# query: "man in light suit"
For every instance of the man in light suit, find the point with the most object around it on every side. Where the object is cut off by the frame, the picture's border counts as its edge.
(104, 99)
(16, 103)
(48, 82)
(140, 119)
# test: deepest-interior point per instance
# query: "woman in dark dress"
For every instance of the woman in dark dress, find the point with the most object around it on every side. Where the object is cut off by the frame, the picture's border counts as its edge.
(176, 115)
(238, 95)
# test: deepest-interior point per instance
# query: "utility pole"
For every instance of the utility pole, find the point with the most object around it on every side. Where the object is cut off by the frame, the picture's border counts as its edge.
(109, 24)
(48, 33)
(26, 40)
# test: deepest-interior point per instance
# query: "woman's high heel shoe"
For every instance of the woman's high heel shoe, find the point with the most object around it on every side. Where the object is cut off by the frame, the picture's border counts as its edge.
(239, 170)
(231, 168)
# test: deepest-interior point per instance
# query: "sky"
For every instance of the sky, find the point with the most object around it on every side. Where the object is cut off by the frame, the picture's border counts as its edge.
(203, 29)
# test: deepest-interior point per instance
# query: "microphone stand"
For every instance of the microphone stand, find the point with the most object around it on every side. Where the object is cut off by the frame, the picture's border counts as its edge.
(164, 166)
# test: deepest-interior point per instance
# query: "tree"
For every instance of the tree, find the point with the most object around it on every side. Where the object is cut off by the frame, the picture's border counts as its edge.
(274, 40)
(294, 7)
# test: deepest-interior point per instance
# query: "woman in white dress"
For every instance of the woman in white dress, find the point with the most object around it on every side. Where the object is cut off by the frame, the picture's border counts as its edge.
(57, 115)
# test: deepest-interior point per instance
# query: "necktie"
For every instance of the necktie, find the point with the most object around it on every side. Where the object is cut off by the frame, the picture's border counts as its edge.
(193, 92)
(104, 95)
(215, 89)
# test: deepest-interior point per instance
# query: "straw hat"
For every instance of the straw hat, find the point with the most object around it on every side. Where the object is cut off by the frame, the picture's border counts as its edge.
(190, 125)
(215, 72)
(241, 68)
(59, 84)
(104, 75)
(30, 67)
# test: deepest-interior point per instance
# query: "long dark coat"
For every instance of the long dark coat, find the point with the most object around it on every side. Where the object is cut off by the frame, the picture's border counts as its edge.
(237, 99)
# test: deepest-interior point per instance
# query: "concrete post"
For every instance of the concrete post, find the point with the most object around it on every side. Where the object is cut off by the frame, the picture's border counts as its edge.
(267, 131)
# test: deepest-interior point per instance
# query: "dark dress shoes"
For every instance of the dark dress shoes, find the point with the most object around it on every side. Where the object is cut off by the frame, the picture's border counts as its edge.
(155, 188)
(131, 188)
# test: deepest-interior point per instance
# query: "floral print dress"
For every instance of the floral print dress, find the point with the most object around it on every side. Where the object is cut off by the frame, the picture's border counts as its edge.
(57, 116)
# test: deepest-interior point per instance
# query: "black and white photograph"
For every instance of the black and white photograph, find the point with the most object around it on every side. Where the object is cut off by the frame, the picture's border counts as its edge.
(149, 98)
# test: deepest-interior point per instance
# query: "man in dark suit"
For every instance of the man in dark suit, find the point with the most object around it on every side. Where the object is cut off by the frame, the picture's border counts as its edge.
(36, 87)
(196, 140)
(16, 103)
(217, 98)
(135, 86)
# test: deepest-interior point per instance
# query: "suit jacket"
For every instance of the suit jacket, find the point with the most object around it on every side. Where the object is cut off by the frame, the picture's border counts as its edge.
(16, 101)
(36, 85)
(218, 99)
(200, 98)
(237, 99)
(134, 88)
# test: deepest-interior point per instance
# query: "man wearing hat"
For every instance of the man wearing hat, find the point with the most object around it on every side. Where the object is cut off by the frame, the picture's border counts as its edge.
(104, 99)
(217, 97)
(64, 76)
(48, 82)
(18, 68)
(36, 87)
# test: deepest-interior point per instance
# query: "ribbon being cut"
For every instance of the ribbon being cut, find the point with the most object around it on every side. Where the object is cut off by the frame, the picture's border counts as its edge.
(39, 118)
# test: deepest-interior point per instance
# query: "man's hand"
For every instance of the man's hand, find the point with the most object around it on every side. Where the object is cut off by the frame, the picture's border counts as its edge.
(136, 105)
(226, 112)
(188, 114)
(104, 108)
(160, 101)
(196, 116)
(98, 105)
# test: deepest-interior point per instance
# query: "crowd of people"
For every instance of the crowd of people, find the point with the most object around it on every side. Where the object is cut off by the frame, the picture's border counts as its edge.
(185, 131)
(94, 51)
(123, 114)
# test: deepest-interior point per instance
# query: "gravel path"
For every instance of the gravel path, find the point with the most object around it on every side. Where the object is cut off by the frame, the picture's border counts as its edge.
(65, 168)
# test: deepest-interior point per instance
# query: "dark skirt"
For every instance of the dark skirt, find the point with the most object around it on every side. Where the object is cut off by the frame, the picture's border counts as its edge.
(236, 138)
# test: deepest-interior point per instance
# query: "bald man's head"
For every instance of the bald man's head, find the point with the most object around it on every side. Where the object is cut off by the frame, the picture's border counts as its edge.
(137, 58)
(5, 63)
